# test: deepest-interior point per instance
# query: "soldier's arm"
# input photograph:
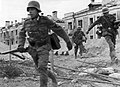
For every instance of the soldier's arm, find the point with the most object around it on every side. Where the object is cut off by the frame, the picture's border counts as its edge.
(74, 34)
(113, 19)
(58, 30)
(22, 36)
(117, 22)
(83, 33)
(93, 24)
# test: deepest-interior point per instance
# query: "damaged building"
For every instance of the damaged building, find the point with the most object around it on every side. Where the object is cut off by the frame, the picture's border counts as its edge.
(9, 33)
(88, 15)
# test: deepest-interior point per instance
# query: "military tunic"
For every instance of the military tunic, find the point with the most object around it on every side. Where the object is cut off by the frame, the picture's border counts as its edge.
(37, 31)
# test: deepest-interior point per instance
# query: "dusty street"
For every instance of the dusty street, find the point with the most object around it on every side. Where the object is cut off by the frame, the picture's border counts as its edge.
(97, 57)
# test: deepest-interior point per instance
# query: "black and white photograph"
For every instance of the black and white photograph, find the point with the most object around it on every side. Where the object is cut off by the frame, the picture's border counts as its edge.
(59, 43)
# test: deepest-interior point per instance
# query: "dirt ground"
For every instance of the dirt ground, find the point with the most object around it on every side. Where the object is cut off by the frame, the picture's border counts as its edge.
(64, 61)
(97, 56)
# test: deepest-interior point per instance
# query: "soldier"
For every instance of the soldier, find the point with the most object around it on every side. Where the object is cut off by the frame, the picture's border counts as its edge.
(78, 38)
(109, 32)
(37, 27)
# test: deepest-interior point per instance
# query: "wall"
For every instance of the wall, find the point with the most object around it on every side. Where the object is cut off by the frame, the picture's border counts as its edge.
(87, 14)
(110, 2)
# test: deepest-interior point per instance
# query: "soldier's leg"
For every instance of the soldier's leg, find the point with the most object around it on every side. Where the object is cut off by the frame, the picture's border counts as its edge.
(81, 49)
(84, 49)
(114, 42)
(52, 76)
(42, 68)
(75, 50)
(112, 48)
(40, 59)
(114, 39)
(44, 72)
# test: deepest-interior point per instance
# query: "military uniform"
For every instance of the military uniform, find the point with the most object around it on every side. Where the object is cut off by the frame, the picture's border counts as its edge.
(108, 32)
(39, 44)
(78, 39)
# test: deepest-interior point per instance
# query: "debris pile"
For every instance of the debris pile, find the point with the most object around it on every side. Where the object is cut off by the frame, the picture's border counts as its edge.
(92, 73)
(91, 77)
(96, 47)
(10, 71)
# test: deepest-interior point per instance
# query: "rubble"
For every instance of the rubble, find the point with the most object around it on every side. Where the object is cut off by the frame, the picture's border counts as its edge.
(115, 75)
(105, 71)
(91, 71)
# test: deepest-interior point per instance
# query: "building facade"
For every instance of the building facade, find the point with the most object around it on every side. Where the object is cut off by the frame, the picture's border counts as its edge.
(87, 16)
(9, 33)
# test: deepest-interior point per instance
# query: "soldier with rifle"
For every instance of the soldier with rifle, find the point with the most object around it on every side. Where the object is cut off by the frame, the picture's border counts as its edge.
(13, 52)
(109, 31)
(37, 28)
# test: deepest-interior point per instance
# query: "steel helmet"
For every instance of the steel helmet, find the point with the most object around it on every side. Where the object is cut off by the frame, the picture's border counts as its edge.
(105, 10)
(34, 4)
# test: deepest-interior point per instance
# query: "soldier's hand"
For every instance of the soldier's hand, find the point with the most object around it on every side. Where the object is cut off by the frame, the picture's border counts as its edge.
(21, 49)
(87, 32)
(69, 45)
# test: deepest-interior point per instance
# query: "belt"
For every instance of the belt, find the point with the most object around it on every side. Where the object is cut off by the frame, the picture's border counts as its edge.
(39, 44)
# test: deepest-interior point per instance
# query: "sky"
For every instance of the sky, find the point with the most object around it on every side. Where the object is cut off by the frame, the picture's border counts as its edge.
(11, 10)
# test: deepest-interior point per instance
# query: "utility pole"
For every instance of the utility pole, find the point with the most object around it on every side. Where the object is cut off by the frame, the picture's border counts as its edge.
(51, 59)
(74, 21)
(8, 34)
(10, 46)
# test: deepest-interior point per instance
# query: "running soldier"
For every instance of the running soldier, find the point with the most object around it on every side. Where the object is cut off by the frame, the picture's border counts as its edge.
(78, 38)
(37, 28)
(109, 31)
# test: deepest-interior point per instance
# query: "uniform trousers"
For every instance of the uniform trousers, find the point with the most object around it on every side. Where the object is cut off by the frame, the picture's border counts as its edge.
(40, 56)
(81, 47)
(111, 40)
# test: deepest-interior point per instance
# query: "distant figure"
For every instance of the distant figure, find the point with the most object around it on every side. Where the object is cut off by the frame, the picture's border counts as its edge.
(62, 53)
(67, 53)
(109, 31)
(78, 38)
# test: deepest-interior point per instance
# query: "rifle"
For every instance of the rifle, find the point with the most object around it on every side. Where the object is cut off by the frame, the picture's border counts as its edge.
(23, 58)
(13, 53)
